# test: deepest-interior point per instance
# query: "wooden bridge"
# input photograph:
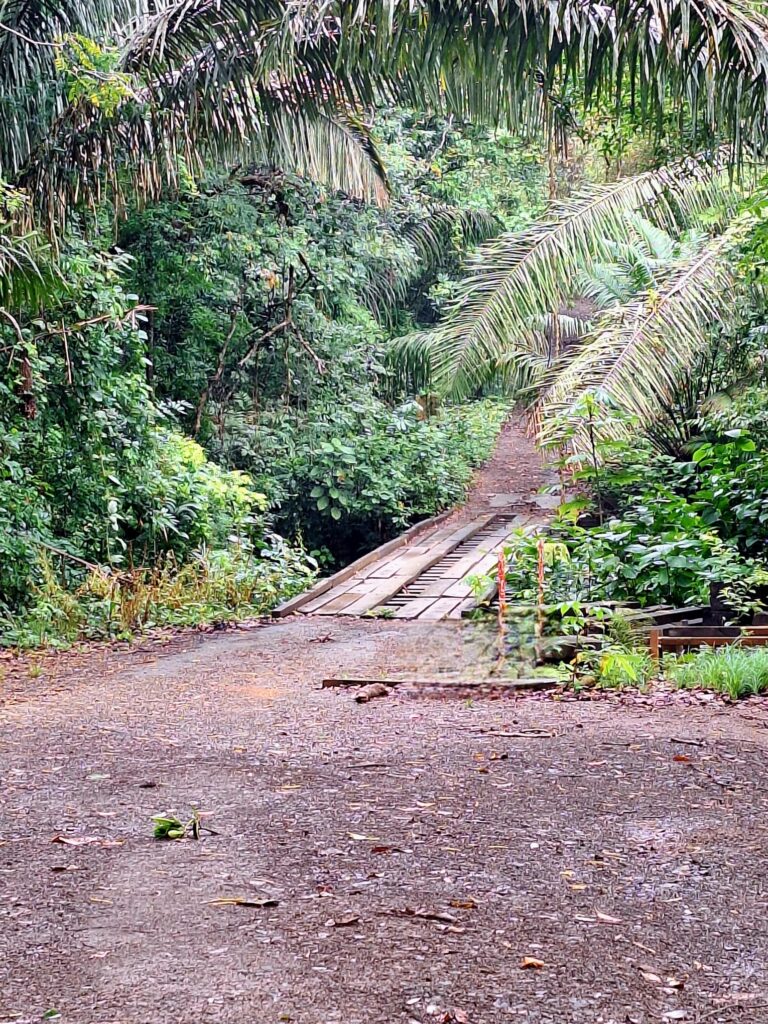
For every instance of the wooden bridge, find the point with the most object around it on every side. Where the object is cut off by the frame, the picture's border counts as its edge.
(424, 573)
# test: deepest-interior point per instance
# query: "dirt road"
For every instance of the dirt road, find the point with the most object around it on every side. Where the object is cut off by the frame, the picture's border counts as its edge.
(416, 850)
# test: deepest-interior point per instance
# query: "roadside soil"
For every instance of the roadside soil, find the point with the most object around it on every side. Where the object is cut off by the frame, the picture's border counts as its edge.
(417, 848)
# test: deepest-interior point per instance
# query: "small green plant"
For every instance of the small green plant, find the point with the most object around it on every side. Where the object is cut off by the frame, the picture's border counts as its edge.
(735, 670)
(168, 826)
(620, 667)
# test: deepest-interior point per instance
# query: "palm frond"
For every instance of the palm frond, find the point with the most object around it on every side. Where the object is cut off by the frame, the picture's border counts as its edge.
(497, 58)
(501, 56)
(440, 230)
(334, 148)
(639, 352)
(518, 277)
(169, 128)
(32, 92)
(606, 284)
(24, 270)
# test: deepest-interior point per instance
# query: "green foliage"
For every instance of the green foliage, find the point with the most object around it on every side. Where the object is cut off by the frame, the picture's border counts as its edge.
(261, 329)
(91, 72)
(273, 304)
(349, 476)
(166, 827)
(221, 585)
(737, 671)
(93, 472)
(611, 666)
(668, 532)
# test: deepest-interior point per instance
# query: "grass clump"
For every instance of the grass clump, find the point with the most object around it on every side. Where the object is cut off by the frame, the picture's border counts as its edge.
(737, 671)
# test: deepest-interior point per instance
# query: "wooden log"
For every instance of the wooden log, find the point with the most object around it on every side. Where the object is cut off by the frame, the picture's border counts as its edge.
(533, 683)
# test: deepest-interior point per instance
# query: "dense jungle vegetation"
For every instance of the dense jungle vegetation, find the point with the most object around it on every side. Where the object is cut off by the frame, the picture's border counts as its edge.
(268, 289)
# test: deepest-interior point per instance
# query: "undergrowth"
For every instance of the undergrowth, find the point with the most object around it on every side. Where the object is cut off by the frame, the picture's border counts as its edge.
(737, 671)
(213, 586)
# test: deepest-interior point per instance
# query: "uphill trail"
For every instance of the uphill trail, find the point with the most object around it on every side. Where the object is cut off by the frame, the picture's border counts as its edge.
(514, 475)
(412, 860)
(427, 573)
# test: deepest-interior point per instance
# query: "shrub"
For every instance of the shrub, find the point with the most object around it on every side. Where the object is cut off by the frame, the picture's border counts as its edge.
(352, 475)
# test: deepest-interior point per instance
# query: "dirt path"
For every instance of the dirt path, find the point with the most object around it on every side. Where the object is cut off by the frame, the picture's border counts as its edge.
(627, 861)
(515, 473)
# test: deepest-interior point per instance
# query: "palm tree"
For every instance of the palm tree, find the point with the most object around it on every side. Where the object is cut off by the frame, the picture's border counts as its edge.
(162, 88)
(227, 74)
(176, 82)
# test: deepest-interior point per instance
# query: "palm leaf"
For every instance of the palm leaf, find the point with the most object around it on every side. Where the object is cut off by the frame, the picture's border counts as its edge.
(25, 271)
(640, 351)
(501, 56)
(141, 148)
(517, 278)
(429, 239)
(32, 93)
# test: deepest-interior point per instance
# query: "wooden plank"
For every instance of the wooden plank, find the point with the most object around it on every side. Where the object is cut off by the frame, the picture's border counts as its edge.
(324, 599)
(385, 589)
(412, 609)
(681, 643)
(337, 604)
(439, 609)
(668, 643)
(460, 589)
(322, 586)
(654, 645)
(411, 569)
(468, 605)
(438, 588)
(470, 564)
(724, 631)
(408, 564)
(357, 588)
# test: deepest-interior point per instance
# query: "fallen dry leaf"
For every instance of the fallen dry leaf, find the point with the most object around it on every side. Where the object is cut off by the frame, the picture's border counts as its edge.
(606, 918)
(342, 922)
(87, 841)
(454, 1016)
(682, 758)
(386, 849)
(531, 963)
(371, 692)
(672, 982)
(358, 837)
(468, 904)
(425, 915)
(241, 901)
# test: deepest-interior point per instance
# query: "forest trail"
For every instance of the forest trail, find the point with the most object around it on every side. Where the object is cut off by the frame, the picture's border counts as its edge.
(426, 573)
(420, 859)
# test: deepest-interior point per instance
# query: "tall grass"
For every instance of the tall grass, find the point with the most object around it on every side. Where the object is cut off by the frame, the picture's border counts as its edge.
(210, 586)
(737, 671)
